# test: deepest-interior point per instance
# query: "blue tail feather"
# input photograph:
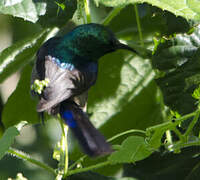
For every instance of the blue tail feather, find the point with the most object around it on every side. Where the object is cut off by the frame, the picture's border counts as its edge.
(91, 140)
(69, 119)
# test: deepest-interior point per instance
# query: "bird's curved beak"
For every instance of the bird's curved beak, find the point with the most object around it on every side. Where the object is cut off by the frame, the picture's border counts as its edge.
(124, 46)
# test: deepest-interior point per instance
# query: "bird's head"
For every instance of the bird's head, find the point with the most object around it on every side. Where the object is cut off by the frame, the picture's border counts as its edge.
(93, 41)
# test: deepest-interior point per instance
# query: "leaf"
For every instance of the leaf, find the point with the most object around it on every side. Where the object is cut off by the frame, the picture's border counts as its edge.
(128, 75)
(55, 16)
(155, 140)
(168, 165)
(178, 59)
(187, 9)
(26, 9)
(9, 2)
(7, 140)
(41, 8)
(91, 176)
(19, 54)
(20, 106)
(133, 149)
(46, 13)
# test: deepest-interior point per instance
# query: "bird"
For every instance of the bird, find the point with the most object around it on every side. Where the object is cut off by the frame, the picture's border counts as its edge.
(70, 63)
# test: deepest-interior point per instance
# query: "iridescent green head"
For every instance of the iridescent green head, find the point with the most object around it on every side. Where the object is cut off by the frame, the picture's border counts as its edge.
(92, 41)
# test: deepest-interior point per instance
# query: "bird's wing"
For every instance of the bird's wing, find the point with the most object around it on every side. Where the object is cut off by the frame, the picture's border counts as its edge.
(64, 84)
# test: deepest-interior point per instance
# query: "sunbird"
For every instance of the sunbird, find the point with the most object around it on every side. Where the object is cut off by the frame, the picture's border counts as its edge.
(70, 64)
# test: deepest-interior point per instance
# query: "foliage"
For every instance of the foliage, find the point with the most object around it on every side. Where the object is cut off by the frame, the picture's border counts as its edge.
(7, 140)
(147, 103)
(174, 56)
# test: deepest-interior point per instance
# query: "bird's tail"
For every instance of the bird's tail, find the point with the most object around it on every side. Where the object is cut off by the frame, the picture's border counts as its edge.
(90, 139)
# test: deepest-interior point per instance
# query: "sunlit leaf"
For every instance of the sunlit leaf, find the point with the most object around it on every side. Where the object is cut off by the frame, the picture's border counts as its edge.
(121, 79)
(9, 2)
(25, 9)
(20, 53)
(187, 9)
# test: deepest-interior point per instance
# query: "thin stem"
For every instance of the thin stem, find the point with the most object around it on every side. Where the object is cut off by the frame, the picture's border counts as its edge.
(31, 160)
(184, 145)
(87, 11)
(138, 25)
(102, 164)
(168, 125)
(178, 133)
(66, 150)
(191, 125)
(169, 137)
(111, 15)
(76, 162)
(126, 132)
(63, 164)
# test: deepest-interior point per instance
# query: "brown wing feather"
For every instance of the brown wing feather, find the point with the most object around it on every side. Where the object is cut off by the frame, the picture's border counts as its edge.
(64, 84)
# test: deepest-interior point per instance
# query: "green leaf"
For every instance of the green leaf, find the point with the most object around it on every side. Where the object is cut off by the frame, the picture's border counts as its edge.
(187, 9)
(7, 140)
(121, 78)
(168, 165)
(20, 106)
(196, 93)
(55, 16)
(91, 176)
(61, 5)
(20, 53)
(26, 9)
(9, 2)
(179, 59)
(133, 149)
